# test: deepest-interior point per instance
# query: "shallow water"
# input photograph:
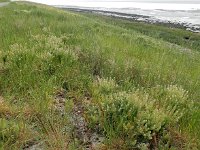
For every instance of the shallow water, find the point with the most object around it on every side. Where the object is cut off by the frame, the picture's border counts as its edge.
(143, 4)
(190, 18)
(185, 12)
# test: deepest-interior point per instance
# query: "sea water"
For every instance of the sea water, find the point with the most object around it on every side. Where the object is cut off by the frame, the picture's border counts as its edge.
(143, 4)
(175, 11)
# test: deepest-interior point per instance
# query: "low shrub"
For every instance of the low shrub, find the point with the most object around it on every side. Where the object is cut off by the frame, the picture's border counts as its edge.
(135, 118)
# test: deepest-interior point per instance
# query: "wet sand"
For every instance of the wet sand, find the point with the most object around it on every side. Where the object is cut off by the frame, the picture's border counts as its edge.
(139, 18)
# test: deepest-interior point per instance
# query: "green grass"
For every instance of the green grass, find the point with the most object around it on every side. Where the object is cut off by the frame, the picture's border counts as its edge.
(166, 32)
(138, 83)
(4, 1)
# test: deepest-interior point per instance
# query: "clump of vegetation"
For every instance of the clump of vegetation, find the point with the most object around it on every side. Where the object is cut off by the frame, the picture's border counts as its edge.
(135, 119)
(9, 131)
(61, 70)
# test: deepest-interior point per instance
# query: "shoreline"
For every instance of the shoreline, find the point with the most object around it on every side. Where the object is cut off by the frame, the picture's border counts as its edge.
(137, 18)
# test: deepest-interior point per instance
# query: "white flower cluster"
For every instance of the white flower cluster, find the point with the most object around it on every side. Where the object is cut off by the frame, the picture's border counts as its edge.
(175, 91)
(105, 85)
(176, 101)
(18, 54)
(51, 44)
(44, 52)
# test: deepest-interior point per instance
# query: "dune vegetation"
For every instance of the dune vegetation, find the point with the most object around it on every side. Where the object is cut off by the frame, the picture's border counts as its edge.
(83, 81)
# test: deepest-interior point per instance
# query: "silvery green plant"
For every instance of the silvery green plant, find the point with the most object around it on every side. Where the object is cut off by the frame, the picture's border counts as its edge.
(131, 116)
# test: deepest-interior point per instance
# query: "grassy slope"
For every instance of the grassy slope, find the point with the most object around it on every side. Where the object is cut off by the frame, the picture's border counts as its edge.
(169, 34)
(4, 1)
(33, 69)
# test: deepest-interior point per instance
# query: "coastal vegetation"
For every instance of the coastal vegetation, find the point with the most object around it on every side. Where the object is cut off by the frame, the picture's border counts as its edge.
(83, 81)
(4, 1)
(167, 31)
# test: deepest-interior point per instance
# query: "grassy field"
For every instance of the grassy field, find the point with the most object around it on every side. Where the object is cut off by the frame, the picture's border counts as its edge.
(77, 80)
(4, 1)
